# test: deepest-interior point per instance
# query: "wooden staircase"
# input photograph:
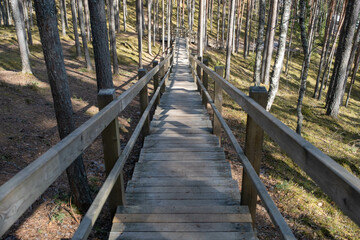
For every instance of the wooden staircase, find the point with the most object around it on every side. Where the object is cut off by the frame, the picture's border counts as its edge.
(182, 186)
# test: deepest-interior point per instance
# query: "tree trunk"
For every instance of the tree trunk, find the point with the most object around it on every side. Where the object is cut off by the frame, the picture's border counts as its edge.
(305, 66)
(211, 13)
(260, 42)
(223, 24)
(54, 60)
(218, 23)
(87, 20)
(124, 14)
(201, 28)
(275, 75)
(112, 35)
(27, 22)
(239, 24)
(83, 35)
(139, 29)
(149, 25)
(168, 22)
(75, 27)
(65, 14)
(156, 17)
(229, 39)
(8, 11)
(17, 12)
(247, 24)
(163, 26)
(288, 54)
(62, 14)
(116, 15)
(5, 15)
(355, 69)
(343, 52)
(270, 43)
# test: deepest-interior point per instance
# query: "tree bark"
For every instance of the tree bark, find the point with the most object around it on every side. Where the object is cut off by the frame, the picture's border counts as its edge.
(218, 23)
(149, 25)
(260, 42)
(239, 24)
(62, 15)
(270, 43)
(87, 20)
(116, 15)
(124, 14)
(343, 52)
(247, 24)
(54, 60)
(201, 28)
(139, 29)
(17, 11)
(65, 14)
(101, 44)
(163, 27)
(83, 35)
(8, 11)
(353, 77)
(113, 36)
(75, 27)
(168, 22)
(288, 54)
(229, 39)
(27, 22)
(5, 15)
(275, 75)
(223, 24)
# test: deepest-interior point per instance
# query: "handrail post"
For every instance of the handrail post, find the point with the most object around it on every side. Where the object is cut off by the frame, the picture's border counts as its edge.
(112, 150)
(144, 101)
(253, 151)
(199, 73)
(156, 81)
(218, 100)
(205, 82)
(162, 74)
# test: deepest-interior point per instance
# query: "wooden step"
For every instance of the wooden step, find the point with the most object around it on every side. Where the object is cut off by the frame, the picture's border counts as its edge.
(181, 156)
(178, 182)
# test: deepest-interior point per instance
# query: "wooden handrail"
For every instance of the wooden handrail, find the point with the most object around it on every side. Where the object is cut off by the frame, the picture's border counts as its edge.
(92, 214)
(269, 204)
(339, 184)
(17, 194)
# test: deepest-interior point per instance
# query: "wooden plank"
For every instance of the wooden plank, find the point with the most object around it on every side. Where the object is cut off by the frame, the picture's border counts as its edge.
(176, 182)
(183, 196)
(191, 149)
(182, 218)
(182, 235)
(181, 227)
(176, 164)
(198, 137)
(181, 130)
(182, 124)
(181, 173)
(176, 156)
(179, 144)
(199, 189)
(340, 185)
(182, 209)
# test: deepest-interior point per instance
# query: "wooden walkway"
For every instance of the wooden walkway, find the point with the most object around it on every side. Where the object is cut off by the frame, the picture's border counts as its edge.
(182, 186)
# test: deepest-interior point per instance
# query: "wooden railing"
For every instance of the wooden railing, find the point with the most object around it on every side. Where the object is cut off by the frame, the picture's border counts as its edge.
(340, 185)
(17, 194)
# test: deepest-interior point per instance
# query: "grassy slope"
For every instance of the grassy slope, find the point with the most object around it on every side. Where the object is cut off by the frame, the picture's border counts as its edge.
(309, 212)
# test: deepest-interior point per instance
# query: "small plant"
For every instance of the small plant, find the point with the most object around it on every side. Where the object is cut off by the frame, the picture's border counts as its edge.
(33, 86)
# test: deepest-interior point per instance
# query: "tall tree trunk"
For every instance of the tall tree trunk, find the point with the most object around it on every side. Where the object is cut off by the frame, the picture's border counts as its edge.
(65, 13)
(307, 55)
(116, 15)
(27, 22)
(305, 68)
(270, 42)
(112, 35)
(218, 23)
(83, 35)
(17, 12)
(155, 25)
(247, 25)
(275, 75)
(288, 54)
(5, 14)
(200, 28)
(223, 24)
(139, 29)
(149, 25)
(353, 76)
(8, 11)
(54, 60)
(229, 39)
(211, 13)
(163, 26)
(62, 15)
(177, 13)
(168, 22)
(260, 42)
(87, 19)
(75, 27)
(124, 14)
(100, 42)
(239, 24)
(343, 52)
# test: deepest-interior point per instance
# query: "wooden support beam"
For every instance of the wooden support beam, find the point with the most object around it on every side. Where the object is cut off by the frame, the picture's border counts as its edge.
(162, 74)
(218, 100)
(112, 150)
(205, 82)
(144, 101)
(253, 151)
(199, 72)
(157, 78)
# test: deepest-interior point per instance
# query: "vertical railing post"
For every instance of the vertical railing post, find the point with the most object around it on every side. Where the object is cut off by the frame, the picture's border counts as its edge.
(199, 73)
(218, 100)
(112, 150)
(162, 74)
(156, 81)
(144, 101)
(253, 151)
(205, 82)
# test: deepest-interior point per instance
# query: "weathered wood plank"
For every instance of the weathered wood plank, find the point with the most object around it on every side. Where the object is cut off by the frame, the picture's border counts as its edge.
(199, 189)
(181, 130)
(178, 149)
(183, 196)
(182, 209)
(182, 235)
(183, 218)
(176, 182)
(181, 156)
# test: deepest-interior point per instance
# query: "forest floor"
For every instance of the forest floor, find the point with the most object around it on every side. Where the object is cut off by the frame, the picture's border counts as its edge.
(28, 128)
